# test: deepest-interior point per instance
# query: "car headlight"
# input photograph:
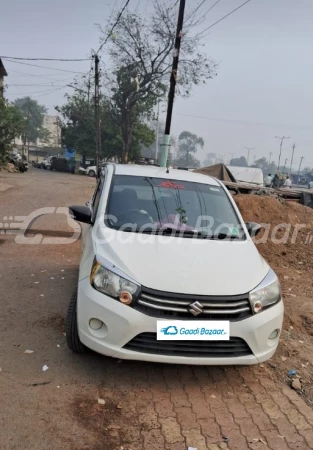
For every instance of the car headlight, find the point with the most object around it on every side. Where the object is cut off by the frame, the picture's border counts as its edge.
(110, 282)
(266, 294)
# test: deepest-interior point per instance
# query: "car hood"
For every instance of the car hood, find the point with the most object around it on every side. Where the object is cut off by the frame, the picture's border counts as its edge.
(184, 265)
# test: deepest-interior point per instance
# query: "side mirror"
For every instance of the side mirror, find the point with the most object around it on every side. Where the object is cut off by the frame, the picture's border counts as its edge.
(81, 214)
(253, 228)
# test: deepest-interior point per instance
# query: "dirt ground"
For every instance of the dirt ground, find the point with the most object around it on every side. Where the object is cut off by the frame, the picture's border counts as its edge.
(142, 406)
(293, 262)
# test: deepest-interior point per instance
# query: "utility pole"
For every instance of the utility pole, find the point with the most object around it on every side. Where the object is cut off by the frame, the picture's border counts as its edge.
(157, 134)
(285, 165)
(281, 146)
(270, 159)
(88, 91)
(249, 150)
(173, 81)
(293, 150)
(28, 126)
(97, 116)
(302, 158)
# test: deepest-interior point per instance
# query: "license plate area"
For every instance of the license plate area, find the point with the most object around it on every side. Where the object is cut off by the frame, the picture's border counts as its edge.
(195, 330)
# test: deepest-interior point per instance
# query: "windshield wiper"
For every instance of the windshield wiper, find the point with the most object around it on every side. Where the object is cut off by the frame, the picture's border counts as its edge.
(167, 231)
(225, 236)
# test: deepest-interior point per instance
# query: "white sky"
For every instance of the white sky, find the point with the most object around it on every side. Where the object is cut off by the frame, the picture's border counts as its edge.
(264, 77)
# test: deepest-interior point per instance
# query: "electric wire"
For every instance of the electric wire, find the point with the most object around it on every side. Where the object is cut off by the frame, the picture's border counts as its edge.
(45, 67)
(114, 25)
(224, 17)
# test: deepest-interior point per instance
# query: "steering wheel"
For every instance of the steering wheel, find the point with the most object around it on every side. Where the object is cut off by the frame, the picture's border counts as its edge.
(138, 216)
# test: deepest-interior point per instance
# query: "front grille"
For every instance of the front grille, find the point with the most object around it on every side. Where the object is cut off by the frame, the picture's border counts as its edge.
(168, 305)
(148, 343)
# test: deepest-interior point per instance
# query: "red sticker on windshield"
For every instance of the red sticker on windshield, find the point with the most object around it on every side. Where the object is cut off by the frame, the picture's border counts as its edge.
(171, 185)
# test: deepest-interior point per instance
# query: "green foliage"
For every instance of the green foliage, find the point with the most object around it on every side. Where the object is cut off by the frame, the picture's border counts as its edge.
(78, 128)
(239, 162)
(33, 113)
(262, 163)
(131, 109)
(12, 125)
(188, 145)
(77, 124)
(142, 52)
(143, 135)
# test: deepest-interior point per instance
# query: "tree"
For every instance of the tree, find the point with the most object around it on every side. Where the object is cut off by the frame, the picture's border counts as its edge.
(78, 127)
(33, 113)
(210, 159)
(128, 114)
(141, 52)
(188, 145)
(12, 126)
(239, 162)
(77, 124)
(262, 163)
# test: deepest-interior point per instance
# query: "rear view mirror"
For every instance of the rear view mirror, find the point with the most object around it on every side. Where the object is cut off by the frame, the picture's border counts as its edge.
(81, 213)
(253, 228)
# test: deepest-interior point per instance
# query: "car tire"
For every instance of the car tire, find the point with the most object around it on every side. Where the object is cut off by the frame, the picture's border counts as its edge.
(72, 337)
(92, 173)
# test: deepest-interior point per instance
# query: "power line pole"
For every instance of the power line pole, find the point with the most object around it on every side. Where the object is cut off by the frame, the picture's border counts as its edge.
(302, 158)
(97, 116)
(285, 165)
(269, 159)
(293, 150)
(249, 150)
(157, 134)
(173, 81)
(281, 147)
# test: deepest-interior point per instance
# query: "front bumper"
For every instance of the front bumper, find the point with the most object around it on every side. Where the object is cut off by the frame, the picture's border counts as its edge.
(123, 323)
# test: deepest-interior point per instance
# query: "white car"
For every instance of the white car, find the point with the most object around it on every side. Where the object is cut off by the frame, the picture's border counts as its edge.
(169, 273)
(91, 171)
(46, 163)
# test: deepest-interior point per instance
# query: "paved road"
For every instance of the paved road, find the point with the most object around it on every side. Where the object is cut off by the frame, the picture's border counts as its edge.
(147, 406)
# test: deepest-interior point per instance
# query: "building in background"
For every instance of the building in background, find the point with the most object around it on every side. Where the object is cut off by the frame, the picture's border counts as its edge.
(3, 73)
(52, 124)
(44, 148)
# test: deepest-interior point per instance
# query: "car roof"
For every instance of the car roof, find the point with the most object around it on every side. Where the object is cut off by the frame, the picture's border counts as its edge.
(161, 172)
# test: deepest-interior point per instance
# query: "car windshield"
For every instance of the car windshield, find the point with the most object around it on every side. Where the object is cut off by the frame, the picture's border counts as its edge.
(182, 208)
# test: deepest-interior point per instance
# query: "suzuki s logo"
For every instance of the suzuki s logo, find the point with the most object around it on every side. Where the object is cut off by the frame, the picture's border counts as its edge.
(195, 308)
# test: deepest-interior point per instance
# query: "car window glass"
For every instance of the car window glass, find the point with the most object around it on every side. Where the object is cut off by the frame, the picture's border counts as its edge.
(155, 201)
